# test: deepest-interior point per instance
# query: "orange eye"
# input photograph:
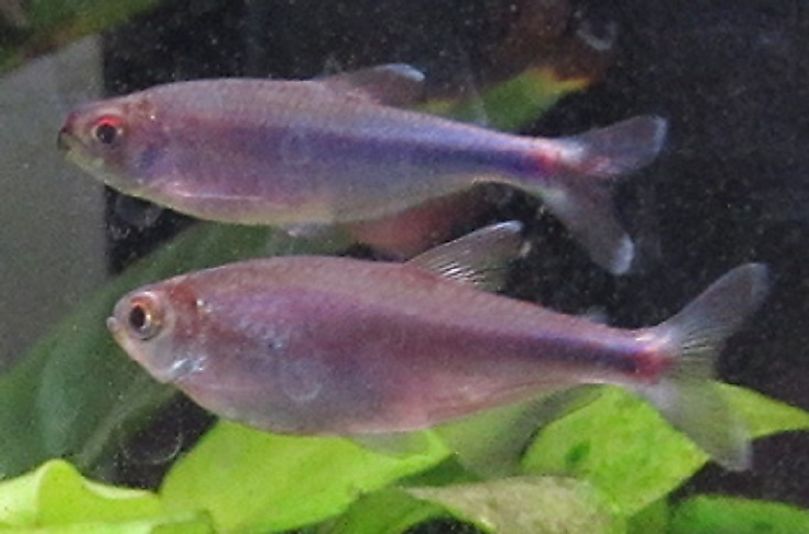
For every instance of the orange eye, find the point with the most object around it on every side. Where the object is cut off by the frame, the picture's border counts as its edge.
(145, 316)
(108, 130)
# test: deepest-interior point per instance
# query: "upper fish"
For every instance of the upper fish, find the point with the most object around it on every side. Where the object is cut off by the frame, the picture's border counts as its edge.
(341, 150)
(320, 345)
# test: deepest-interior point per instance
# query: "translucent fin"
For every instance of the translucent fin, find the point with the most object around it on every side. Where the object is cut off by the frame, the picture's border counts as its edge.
(395, 443)
(582, 202)
(307, 231)
(139, 213)
(492, 443)
(479, 258)
(685, 395)
(596, 314)
(614, 150)
(395, 84)
(586, 211)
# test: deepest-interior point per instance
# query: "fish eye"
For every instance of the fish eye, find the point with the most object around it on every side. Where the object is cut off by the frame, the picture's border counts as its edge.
(145, 317)
(108, 130)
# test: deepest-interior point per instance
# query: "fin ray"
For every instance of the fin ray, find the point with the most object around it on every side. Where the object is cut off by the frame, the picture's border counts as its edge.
(394, 84)
(686, 395)
(580, 197)
(478, 259)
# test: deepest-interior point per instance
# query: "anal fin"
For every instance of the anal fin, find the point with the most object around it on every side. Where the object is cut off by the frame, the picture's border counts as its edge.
(492, 443)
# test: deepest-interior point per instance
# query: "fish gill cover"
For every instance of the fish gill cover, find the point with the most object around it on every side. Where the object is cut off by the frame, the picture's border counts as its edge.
(608, 463)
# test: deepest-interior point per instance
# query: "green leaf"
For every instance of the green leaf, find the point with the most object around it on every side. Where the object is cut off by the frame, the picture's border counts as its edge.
(527, 504)
(55, 22)
(653, 518)
(75, 392)
(256, 481)
(718, 515)
(384, 512)
(514, 103)
(55, 495)
(393, 509)
(625, 448)
(764, 416)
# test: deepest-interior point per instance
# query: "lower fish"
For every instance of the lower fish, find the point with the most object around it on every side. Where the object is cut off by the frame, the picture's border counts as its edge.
(338, 346)
(340, 150)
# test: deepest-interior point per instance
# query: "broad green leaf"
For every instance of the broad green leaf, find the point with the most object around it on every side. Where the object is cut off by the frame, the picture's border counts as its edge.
(55, 22)
(653, 518)
(384, 512)
(527, 504)
(75, 392)
(512, 104)
(621, 445)
(765, 416)
(57, 497)
(393, 509)
(252, 481)
(724, 515)
(625, 448)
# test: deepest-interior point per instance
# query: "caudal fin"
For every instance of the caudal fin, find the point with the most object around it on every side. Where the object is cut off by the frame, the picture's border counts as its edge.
(580, 195)
(615, 150)
(686, 395)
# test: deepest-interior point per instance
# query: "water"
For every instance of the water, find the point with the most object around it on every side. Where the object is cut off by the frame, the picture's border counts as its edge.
(728, 188)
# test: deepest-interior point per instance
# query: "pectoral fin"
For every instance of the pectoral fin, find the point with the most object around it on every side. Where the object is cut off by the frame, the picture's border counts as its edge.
(395, 84)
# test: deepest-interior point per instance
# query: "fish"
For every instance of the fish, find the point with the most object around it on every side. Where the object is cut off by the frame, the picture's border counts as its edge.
(342, 150)
(417, 229)
(309, 345)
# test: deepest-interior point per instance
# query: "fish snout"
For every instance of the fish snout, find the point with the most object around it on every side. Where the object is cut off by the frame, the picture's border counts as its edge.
(61, 140)
(66, 132)
(113, 325)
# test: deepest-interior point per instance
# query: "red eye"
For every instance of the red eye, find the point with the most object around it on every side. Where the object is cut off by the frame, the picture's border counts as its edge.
(107, 130)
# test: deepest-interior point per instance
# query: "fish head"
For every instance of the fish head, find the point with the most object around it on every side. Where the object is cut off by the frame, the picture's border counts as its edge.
(159, 327)
(119, 141)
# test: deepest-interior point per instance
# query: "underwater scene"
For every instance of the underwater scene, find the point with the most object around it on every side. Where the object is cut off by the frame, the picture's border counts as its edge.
(388, 266)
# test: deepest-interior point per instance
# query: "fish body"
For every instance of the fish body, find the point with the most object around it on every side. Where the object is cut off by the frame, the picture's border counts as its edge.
(319, 345)
(332, 151)
(336, 346)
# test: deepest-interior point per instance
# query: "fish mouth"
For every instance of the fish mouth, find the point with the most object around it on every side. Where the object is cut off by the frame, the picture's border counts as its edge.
(65, 141)
(113, 326)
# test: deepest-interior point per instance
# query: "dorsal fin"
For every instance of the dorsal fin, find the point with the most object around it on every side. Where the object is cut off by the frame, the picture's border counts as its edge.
(395, 84)
(479, 258)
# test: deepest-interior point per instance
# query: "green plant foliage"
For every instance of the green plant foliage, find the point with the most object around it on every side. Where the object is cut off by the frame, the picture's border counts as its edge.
(542, 505)
(512, 104)
(386, 511)
(75, 392)
(625, 448)
(56, 497)
(654, 518)
(257, 481)
(50, 23)
(724, 515)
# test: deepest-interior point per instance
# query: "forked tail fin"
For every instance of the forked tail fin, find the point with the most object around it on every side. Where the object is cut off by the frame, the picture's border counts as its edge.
(686, 396)
(579, 194)
(614, 150)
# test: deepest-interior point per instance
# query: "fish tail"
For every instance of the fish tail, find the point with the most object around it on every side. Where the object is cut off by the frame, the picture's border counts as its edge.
(578, 193)
(685, 394)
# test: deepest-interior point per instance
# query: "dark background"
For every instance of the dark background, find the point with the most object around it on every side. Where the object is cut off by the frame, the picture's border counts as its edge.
(730, 187)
